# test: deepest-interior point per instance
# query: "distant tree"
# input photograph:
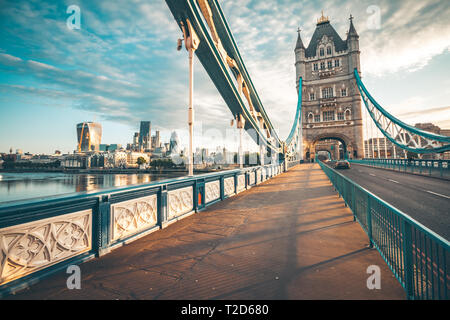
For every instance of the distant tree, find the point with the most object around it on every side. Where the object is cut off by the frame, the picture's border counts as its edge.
(162, 163)
(141, 160)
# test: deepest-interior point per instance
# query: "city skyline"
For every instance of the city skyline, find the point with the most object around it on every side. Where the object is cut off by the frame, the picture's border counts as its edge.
(127, 69)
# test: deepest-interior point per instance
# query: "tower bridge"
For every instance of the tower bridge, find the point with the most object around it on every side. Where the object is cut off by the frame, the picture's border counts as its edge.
(331, 103)
(286, 220)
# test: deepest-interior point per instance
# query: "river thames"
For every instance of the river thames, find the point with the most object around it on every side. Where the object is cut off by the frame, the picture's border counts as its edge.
(23, 186)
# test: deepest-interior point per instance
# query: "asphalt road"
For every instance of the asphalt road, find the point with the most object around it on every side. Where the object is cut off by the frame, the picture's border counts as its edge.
(425, 199)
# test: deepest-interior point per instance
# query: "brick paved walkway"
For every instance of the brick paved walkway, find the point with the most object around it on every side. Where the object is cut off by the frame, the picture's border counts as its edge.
(291, 237)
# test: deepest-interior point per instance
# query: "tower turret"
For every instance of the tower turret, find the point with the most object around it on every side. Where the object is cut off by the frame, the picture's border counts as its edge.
(353, 47)
(299, 58)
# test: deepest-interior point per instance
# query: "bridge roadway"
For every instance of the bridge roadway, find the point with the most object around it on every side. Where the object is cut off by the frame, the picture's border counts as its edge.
(290, 237)
(425, 199)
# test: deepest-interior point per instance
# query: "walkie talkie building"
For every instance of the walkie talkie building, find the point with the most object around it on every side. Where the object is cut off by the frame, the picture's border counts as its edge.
(89, 136)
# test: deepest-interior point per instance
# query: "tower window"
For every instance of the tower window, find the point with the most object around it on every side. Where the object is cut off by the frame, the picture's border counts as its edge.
(328, 50)
(328, 116)
(317, 118)
(336, 63)
(327, 93)
(330, 64)
(344, 92)
(312, 97)
(321, 52)
(316, 67)
(348, 114)
(322, 66)
(340, 116)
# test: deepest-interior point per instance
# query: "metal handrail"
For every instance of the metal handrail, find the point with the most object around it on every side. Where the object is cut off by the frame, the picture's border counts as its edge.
(417, 256)
(22, 217)
(436, 168)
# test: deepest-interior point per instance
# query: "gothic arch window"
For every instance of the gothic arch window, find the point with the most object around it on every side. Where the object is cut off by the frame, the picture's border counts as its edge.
(310, 117)
(348, 114)
(321, 52)
(329, 50)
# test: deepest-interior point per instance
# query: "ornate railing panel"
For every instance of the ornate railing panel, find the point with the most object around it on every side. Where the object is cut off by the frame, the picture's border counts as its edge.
(252, 178)
(258, 176)
(180, 201)
(212, 191)
(241, 183)
(229, 186)
(29, 247)
(131, 217)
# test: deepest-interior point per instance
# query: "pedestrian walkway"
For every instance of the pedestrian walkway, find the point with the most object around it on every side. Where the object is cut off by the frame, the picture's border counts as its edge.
(290, 237)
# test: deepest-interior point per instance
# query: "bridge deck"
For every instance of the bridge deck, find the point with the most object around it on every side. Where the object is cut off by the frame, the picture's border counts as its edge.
(288, 238)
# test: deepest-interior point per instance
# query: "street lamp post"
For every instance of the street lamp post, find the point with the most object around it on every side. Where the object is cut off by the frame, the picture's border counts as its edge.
(191, 42)
(240, 125)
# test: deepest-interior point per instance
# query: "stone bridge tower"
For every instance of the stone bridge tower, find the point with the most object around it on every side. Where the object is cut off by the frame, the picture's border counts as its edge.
(331, 102)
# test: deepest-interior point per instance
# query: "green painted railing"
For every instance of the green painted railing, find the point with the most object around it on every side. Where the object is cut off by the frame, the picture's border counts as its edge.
(434, 168)
(39, 237)
(417, 256)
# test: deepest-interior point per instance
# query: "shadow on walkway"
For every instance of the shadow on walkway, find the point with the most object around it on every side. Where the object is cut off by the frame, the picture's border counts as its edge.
(291, 237)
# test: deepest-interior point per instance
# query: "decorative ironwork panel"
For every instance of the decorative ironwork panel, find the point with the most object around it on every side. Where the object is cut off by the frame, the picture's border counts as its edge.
(228, 186)
(252, 178)
(29, 247)
(133, 216)
(241, 183)
(180, 201)
(212, 191)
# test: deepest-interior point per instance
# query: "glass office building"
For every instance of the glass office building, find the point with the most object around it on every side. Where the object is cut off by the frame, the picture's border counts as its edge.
(144, 135)
(89, 136)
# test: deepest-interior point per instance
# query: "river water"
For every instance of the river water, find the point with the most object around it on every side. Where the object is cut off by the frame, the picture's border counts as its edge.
(22, 186)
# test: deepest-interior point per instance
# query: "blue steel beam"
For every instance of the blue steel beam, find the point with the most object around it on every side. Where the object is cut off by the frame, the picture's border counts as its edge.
(298, 115)
(230, 45)
(401, 134)
(218, 70)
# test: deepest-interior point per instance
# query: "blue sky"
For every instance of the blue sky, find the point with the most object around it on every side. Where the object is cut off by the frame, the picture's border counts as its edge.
(122, 66)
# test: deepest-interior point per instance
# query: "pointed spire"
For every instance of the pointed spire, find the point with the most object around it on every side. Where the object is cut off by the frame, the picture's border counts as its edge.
(352, 30)
(299, 44)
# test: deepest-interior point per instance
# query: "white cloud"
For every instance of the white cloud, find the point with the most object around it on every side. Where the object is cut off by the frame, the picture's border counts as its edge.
(123, 61)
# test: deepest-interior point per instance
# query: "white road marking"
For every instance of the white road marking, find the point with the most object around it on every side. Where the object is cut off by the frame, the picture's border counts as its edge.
(438, 194)
(371, 174)
(393, 181)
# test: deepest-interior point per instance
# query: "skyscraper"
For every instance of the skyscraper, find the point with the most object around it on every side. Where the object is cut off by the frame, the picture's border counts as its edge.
(144, 135)
(175, 147)
(89, 136)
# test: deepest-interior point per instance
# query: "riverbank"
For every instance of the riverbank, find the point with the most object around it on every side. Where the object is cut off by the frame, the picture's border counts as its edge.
(111, 170)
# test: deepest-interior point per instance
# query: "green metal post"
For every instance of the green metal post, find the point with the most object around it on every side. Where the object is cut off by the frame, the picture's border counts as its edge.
(407, 260)
(353, 188)
(369, 220)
